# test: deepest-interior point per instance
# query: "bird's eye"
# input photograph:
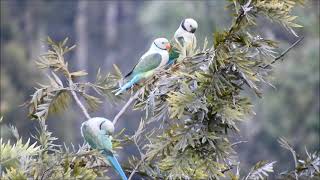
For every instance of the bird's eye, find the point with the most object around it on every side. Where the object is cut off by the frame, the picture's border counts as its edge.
(191, 26)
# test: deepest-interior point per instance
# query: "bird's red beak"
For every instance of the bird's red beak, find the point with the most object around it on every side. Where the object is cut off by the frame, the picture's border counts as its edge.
(168, 46)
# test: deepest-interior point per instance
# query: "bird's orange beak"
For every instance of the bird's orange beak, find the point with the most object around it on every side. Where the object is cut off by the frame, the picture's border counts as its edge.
(168, 46)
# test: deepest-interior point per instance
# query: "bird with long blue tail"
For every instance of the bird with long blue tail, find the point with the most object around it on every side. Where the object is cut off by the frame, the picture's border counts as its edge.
(97, 132)
(155, 58)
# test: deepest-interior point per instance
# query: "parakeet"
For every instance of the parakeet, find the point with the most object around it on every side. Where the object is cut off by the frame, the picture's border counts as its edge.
(97, 132)
(184, 36)
(156, 57)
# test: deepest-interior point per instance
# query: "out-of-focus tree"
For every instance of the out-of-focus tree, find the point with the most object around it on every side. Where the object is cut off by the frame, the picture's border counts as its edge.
(82, 35)
(18, 73)
(162, 19)
(292, 108)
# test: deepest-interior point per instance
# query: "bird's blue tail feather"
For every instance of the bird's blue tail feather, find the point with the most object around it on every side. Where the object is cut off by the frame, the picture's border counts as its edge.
(115, 164)
(129, 84)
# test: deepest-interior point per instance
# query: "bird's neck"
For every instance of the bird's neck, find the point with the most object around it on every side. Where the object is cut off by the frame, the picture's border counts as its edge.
(154, 47)
(183, 27)
(180, 32)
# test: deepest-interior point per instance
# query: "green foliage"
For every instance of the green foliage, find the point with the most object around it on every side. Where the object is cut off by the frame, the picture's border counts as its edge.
(46, 160)
(280, 11)
(13, 60)
(260, 170)
(307, 167)
(107, 84)
(56, 96)
(199, 100)
(53, 161)
(10, 154)
(14, 174)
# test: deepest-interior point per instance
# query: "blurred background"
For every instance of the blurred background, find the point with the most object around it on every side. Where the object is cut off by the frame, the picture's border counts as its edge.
(108, 32)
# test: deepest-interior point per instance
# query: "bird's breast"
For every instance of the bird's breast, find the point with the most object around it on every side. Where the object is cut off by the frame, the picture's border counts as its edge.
(164, 58)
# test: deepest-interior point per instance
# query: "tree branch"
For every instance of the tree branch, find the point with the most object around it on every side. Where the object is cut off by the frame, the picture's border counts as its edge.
(142, 156)
(76, 98)
(116, 118)
(227, 169)
(283, 53)
(239, 142)
(136, 167)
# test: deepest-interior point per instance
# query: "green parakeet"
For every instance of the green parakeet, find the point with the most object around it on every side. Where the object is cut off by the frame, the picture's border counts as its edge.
(156, 57)
(97, 132)
(184, 36)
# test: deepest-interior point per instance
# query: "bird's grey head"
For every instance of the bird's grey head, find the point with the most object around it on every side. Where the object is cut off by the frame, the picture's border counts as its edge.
(189, 25)
(107, 126)
(162, 43)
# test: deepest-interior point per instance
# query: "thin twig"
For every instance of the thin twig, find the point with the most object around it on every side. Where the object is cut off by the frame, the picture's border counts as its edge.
(137, 166)
(284, 53)
(228, 169)
(44, 173)
(293, 152)
(71, 84)
(239, 142)
(76, 98)
(116, 118)
(144, 174)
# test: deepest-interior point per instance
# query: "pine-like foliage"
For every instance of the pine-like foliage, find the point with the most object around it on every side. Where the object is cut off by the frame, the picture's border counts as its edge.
(191, 108)
(305, 167)
(47, 160)
(199, 101)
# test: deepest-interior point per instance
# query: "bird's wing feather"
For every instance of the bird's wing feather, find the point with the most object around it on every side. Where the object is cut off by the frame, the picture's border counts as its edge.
(105, 141)
(146, 64)
(181, 40)
(89, 136)
(101, 141)
(96, 140)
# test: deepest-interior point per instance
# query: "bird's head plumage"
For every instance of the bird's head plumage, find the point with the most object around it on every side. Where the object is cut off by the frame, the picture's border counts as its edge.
(189, 25)
(161, 43)
(99, 124)
(108, 126)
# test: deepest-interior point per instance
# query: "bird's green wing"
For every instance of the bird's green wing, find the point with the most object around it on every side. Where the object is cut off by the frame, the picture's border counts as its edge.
(90, 136)
(97, 140)
(105, 141)
(146, 64)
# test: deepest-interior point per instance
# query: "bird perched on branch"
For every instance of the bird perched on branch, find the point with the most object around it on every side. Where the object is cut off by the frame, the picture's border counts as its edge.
(97, 132)
(156, 57)
(184, 36)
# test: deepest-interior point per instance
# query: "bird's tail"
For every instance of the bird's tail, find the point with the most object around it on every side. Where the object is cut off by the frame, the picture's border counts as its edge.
(124, 87)
(115, 164)
(128, 85)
